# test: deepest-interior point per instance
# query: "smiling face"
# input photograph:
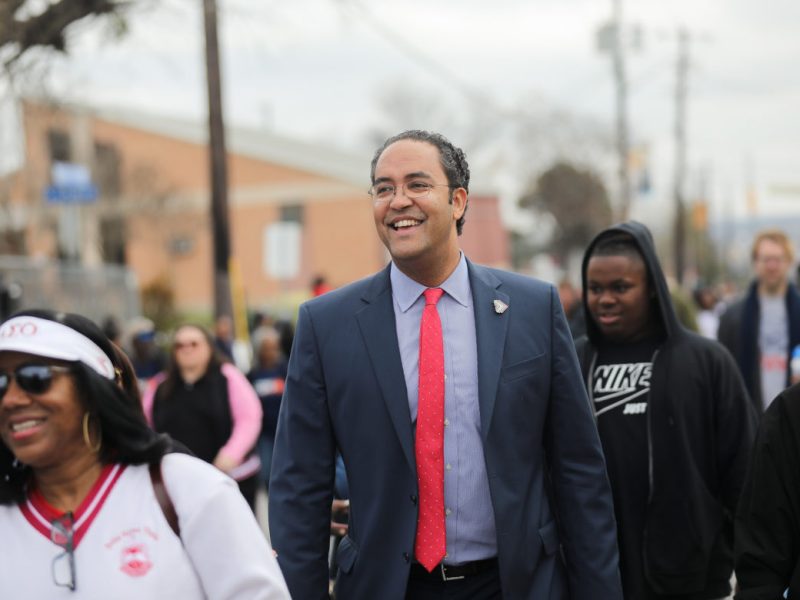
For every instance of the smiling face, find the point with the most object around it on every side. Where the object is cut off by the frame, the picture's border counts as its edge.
(420, 234)
(192, 349)
(42, 430)
(618, 297)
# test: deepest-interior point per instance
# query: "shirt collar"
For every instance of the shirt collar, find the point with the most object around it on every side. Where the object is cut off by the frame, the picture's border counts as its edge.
(406, 291)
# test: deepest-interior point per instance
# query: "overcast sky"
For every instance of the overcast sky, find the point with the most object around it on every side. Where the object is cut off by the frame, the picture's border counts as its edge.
(315, 69)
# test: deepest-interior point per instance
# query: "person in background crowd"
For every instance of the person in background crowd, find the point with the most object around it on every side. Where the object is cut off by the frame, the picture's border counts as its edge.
(147, 358)
(674, 419)
(208, 405)
(319, 286)
(262, 323)
(682, 304)
(79, 515)
(569, 297)
(286, 329)
(223, 336)
(111, 329)
(473, 463)
(707, 313)
(573, 307)
(768, 516)
(268, 379)
(762, 328)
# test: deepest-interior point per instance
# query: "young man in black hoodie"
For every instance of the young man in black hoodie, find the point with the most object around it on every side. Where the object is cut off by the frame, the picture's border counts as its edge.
(674, 419)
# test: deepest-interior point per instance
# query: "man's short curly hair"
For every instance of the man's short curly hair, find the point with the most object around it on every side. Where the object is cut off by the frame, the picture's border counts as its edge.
(453, 160)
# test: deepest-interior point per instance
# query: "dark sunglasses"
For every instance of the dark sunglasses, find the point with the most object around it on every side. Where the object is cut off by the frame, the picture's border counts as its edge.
(182, 345)
(61, 534)
(31, 379)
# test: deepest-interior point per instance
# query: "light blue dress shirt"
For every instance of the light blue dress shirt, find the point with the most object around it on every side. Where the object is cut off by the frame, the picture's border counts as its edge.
(469, 518)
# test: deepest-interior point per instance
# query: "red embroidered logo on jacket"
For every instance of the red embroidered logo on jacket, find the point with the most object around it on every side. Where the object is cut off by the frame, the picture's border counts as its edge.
(134, 560)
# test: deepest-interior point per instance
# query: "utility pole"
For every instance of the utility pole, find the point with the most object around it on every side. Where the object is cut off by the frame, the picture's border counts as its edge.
(623, 144)
(612, 39)
(682, 74)
(219, 172)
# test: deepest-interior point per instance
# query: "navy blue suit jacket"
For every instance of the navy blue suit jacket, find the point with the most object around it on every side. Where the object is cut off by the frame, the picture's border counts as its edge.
(556, 534)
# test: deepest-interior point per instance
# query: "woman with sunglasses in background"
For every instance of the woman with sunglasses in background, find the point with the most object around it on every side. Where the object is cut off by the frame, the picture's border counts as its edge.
(208, 405)
(92, 502)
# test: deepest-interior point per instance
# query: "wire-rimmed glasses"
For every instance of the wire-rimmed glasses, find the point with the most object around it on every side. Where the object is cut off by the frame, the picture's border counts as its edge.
(63, 567)
(383, 191)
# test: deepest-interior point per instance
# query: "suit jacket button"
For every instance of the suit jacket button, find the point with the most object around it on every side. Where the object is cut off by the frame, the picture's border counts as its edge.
(405, 556)
(413, 499)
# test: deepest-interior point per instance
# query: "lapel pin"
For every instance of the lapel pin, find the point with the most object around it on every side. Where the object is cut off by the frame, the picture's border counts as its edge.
(500, 307)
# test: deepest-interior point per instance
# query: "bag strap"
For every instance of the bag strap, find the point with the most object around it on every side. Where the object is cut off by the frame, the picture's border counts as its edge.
(162, 496)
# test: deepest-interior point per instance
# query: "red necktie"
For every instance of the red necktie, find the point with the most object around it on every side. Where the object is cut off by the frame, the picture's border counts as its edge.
(429, 547)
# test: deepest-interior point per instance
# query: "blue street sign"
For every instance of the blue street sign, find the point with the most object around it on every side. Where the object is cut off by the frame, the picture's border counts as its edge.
(71, 194)
(72, 184)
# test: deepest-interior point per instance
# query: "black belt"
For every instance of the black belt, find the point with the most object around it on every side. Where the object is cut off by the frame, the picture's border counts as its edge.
(443, 572)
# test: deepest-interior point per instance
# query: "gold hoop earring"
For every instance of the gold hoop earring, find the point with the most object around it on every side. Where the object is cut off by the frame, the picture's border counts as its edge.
(87, 439)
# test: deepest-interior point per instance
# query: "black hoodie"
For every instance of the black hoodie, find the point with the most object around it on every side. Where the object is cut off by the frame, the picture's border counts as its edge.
(700, 428)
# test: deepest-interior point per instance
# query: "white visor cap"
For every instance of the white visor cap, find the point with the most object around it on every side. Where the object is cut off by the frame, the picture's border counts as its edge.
(49, 339)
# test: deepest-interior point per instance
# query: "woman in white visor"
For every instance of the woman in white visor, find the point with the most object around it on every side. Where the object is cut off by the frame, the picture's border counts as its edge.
(93, 503)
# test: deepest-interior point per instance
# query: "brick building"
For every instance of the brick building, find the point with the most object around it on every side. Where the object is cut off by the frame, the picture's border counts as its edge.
(296, 209)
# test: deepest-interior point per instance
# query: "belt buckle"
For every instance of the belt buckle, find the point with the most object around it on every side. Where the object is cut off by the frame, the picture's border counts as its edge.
(443, 569)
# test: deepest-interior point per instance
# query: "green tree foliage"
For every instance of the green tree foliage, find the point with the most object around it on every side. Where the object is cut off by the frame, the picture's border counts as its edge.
(23, 28)
(577, 201)
(158, 303)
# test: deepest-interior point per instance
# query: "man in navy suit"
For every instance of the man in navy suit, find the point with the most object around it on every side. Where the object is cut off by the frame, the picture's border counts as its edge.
(501, 492)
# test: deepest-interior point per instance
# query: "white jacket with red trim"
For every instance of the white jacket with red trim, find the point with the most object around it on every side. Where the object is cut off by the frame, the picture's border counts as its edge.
(125, 549)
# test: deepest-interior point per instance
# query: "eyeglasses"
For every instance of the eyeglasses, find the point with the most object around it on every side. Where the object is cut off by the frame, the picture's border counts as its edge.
(31, 379)
(413, 190)
(771, 259)
(61, 536)
(182, 345)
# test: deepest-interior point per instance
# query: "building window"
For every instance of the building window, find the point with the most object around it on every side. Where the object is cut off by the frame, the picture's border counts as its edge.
(281, 254)
(58, 143)
(112, 236)
(292, 213)
(107, 171)
(282, 244)
(13, 241)
(180, 245)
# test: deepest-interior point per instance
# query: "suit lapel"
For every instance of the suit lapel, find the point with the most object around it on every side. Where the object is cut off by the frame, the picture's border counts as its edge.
(377, 324)
(490, 332)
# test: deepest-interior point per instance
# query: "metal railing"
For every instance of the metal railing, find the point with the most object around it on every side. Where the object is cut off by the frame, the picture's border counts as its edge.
(95, 292)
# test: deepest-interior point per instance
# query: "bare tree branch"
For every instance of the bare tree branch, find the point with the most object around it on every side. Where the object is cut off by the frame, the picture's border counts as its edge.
(48, 28)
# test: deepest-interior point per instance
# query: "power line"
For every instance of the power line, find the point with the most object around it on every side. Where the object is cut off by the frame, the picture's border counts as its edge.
(477, 97)
(416, 55)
